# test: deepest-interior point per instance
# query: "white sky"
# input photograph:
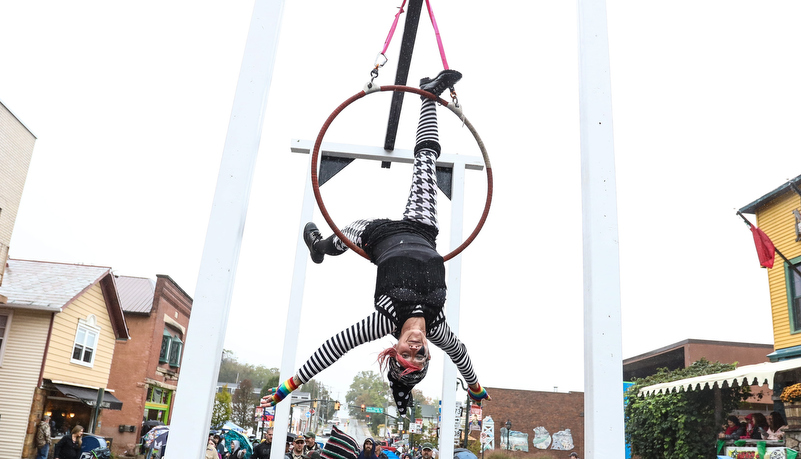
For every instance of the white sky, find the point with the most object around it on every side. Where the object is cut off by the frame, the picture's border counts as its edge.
(131, 102)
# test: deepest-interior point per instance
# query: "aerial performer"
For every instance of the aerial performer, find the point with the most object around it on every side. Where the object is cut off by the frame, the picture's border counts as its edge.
(410, 288)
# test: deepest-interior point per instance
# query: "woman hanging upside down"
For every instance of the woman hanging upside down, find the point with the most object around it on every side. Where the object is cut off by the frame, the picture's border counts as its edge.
(410, 286)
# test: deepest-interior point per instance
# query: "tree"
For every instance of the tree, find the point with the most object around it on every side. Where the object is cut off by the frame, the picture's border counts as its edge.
(369, 389)
(682, 424)
(243, 405)
(222, 407)
(232, 371)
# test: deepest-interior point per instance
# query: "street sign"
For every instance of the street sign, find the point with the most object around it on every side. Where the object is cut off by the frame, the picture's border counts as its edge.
(308, 415)
(374, 409)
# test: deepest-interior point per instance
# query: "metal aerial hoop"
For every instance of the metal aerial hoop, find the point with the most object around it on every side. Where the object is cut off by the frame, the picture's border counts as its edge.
(370, 89)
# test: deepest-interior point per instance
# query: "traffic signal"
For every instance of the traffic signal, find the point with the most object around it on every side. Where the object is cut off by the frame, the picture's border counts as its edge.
(314, 404)
(362, 407)
(336, 406)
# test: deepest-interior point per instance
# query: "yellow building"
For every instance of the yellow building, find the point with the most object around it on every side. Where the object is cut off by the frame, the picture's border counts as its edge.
(16, 150)
(778, 214)
(61, 325)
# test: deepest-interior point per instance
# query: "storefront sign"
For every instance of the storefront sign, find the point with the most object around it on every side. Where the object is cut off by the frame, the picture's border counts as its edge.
(751, 452)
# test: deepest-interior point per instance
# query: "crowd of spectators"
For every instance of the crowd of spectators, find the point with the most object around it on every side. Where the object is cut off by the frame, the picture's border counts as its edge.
(754, 426)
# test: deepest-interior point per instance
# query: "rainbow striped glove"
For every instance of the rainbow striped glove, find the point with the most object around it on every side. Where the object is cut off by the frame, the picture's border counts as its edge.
(281, 392)
(479, 395)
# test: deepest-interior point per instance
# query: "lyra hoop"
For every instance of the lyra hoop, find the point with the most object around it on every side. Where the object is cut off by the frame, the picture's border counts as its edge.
(354, 98)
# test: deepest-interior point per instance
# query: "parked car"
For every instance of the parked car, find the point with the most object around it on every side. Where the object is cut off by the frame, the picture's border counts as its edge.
(385, 445)
(327, 431)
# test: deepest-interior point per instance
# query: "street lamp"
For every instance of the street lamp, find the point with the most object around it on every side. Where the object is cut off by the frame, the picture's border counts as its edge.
(508, 431)
(468, 406)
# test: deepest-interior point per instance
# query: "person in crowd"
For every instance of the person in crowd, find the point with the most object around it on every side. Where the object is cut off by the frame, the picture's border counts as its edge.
(69, 447)
(297, 447)
(263, 449)
(410, 287)
(290, 439)
(43, 438)
(220, 447)
(734, 430)
(379, 452)
(749, 425)
(314, 454)
(428, 451)
(311, 443)
(238, 450)
(573, 455)
(760, 430)
(368, 450)
(211, 449)
(776, 426)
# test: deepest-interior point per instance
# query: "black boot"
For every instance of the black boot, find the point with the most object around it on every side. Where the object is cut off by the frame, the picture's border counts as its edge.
(445, 79)
(310, 236)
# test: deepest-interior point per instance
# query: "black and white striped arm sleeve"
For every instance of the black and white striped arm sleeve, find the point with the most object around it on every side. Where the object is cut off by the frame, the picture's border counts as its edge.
(373, 327)
(445, 339)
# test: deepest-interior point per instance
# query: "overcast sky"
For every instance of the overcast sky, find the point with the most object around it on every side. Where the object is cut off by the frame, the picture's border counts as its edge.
(130, 103)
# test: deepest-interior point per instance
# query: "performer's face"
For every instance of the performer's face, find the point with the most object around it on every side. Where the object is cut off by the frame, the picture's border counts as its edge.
(412, 346)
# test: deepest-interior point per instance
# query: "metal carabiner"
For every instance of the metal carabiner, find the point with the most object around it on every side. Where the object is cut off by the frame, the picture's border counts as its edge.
(453, 97)
(377, 64)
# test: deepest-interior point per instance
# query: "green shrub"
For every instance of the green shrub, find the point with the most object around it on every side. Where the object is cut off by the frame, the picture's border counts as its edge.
(678, 425)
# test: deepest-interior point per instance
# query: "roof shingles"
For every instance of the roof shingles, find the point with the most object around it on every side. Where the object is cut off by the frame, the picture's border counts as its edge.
(136, 294)
(45, 284)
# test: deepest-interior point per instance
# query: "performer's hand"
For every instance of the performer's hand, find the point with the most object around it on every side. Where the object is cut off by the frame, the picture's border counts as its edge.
(267, 400)
(478, 393)
(276, 394)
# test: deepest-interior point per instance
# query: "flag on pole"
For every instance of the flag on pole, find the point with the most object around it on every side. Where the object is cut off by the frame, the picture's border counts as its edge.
(764, 247)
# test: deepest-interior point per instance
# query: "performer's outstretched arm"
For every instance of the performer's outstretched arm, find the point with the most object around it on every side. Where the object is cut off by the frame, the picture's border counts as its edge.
(371, 328)
(445, 339)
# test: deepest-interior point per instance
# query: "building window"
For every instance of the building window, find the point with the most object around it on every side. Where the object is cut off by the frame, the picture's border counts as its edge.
(83, 350)
(793, 282)
(5, 325)
(157, 405)
(166, 339)
(158, 395)
(171, 346)
(175, 352)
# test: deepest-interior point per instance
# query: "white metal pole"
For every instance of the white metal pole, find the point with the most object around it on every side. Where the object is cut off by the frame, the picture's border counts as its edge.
(293, 320)
(603, 367)
(204, 342)
(447, 430)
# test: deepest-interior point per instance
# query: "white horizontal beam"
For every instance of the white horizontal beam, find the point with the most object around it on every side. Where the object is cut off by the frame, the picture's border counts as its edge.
(342, 150)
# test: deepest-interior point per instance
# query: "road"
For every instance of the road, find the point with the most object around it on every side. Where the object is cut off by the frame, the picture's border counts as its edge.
(358, 430)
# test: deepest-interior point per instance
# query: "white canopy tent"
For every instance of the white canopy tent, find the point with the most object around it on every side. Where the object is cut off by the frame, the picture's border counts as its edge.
(759, 374)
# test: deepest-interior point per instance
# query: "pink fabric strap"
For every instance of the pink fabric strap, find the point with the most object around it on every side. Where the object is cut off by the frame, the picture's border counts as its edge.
(433, 23)
(392, 29)
(439, 39)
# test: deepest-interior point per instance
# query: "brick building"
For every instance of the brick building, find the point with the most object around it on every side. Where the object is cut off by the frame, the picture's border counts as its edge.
(684, 353)
(528, 410)
(145, 369)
